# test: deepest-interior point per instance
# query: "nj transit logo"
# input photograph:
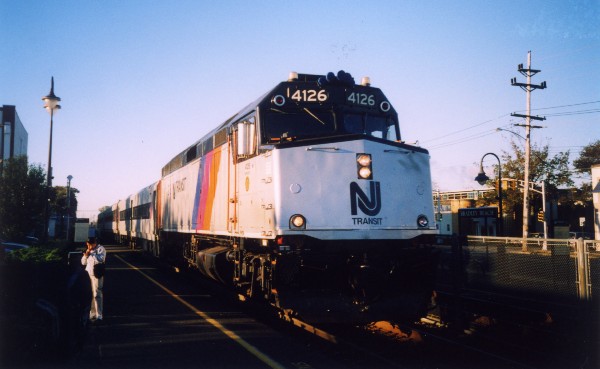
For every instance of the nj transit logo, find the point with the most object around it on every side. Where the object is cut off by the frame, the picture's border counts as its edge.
(369, 205)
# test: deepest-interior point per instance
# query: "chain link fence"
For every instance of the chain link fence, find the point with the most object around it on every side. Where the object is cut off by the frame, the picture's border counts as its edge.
(550, 270)
(551, 283)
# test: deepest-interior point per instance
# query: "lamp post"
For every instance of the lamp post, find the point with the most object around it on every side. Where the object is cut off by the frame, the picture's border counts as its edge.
(69, 178)
(509, 131)
(482, 178)
(50, 104)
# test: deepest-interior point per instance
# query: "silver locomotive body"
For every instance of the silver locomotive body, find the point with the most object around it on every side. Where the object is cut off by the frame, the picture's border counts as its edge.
(307, 198)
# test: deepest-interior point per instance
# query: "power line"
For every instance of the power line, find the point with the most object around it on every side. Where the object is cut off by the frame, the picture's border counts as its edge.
(576, 112)
(572, 112)
(462, 140)
(566, 106)
(483, 134)
(466, 129)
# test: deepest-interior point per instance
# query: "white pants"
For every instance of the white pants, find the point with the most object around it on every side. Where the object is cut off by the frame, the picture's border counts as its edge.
(96, 305)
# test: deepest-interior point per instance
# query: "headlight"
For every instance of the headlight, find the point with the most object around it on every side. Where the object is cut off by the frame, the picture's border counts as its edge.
(422, 221)
(363, 159)
(363, 166)
(364, 172)
(297, 221)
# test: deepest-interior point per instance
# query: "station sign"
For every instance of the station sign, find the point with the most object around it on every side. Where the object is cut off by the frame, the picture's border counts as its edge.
(486, 212)
(478, 221)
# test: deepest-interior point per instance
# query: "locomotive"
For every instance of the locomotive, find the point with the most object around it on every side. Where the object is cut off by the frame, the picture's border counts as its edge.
(306, 198)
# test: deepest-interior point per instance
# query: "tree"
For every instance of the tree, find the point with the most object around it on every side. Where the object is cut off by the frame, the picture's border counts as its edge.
(63, 209)
(22, 195)
(589, 156)
(553, 170)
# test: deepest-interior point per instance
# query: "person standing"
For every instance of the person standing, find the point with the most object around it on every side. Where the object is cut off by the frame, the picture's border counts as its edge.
(95, 254)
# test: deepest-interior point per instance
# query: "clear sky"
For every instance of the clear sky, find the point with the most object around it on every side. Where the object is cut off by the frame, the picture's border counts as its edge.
(141, 80)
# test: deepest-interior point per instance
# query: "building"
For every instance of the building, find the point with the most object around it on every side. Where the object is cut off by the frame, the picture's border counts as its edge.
(13, 136)
(566, 214)
(447, 205)
(596, 198)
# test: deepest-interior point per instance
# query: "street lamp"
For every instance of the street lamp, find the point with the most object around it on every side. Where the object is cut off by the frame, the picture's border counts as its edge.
(50, 104)
(482, 178)
(69, 178)
(509, 131)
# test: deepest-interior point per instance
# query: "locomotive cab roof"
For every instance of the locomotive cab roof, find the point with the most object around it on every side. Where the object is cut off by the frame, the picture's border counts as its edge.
(338, 86)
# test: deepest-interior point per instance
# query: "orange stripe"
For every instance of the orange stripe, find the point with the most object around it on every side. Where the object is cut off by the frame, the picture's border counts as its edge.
(212, 188)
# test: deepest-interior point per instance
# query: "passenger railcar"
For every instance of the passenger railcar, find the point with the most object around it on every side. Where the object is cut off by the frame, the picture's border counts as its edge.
(104, 224)
(144, 233)
(307, 198)
(124, 220)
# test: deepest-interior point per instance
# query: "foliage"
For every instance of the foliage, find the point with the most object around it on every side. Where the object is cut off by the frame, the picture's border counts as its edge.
(35, 255)
(64, 208)
(553, 170)
(22, 201)
(589, 156)
(53, 251)
(580, 195)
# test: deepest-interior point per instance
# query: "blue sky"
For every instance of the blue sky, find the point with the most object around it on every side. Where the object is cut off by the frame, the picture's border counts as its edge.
(141, 80)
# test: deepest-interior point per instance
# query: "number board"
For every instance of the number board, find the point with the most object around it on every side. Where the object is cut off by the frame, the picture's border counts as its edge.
(361, 99)
(307, 95)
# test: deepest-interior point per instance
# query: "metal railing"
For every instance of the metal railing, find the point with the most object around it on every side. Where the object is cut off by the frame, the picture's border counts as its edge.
(551, 272)
(564, 267)
(547, 284)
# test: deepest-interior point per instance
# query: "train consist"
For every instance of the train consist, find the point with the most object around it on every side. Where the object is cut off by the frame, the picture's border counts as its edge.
(307, 198)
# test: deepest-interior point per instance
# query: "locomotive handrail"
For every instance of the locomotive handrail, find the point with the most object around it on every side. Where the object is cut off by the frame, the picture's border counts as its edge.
(399, 151)
(310, 148)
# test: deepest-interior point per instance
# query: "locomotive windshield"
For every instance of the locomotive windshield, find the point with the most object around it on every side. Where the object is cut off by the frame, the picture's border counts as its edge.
(311, 106)
(306, 123)
(372, 125)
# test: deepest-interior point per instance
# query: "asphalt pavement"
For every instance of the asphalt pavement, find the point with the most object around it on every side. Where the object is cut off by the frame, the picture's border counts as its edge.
(157, 318)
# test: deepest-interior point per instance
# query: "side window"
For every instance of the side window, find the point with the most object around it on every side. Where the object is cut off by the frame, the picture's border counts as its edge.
(220, 137)
(207, 145)
(381, 127)
(191, 154)
(391, 133)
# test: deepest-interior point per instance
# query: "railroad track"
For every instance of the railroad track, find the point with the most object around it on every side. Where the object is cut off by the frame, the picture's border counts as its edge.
(481, 341)
(432, 343)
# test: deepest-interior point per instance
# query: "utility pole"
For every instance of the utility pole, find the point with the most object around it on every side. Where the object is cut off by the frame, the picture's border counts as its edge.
(527, 87)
